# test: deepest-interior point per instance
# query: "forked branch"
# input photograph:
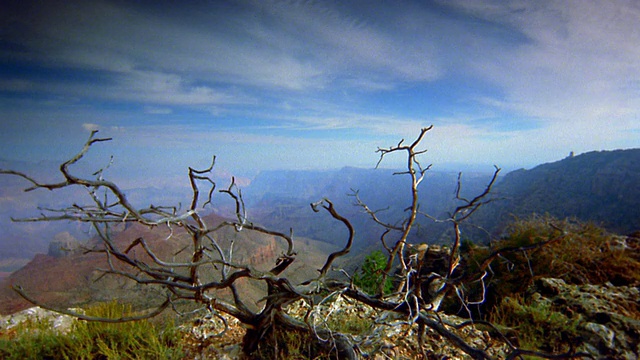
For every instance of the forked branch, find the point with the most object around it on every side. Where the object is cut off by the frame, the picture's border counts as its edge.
(420, 289)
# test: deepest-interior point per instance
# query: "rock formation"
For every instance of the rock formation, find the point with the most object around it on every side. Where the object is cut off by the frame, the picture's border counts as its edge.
(63, 245)
(610, 315)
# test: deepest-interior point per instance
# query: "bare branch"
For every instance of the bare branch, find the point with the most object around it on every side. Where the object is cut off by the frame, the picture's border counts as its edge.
(419, 288)
(453, 338)
(372, 213)
(81, 316)
(328, 205)
(464, 211)
(197, 175)
(398, 248)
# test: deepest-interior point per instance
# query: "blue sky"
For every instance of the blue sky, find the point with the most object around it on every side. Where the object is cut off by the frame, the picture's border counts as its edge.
(317, 84)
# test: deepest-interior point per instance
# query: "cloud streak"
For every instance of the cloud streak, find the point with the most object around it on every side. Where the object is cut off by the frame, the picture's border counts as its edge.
(578, 65)
(503, 81)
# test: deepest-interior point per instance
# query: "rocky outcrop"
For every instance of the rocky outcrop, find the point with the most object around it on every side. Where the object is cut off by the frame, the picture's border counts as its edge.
(63, 245)
(397, 339)
(389, 335)
(610, 315)
(58, 322)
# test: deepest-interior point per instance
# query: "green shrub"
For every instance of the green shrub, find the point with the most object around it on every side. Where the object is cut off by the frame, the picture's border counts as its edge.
(369, 277)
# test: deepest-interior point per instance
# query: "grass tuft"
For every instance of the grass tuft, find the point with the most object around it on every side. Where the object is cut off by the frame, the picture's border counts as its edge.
(36, 339)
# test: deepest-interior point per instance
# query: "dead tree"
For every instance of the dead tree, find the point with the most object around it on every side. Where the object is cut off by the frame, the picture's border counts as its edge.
(419, 291)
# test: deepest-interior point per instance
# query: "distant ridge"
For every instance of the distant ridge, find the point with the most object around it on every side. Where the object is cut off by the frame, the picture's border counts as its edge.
(281, 200)
(599, 186)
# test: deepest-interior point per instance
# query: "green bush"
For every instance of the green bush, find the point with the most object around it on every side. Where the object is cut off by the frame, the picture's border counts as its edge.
(369, 277)
(350, 324)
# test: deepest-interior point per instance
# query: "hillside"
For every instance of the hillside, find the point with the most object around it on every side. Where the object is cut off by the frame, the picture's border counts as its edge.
(273, 200)
(535, 302)
(600, 186)
(606, 267)
(21, 241)
(72, 279)
(603, 187)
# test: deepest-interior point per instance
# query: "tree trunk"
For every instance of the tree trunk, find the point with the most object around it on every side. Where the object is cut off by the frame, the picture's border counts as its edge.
(339, 346)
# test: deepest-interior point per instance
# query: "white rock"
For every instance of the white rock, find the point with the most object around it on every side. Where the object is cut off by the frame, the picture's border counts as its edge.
(607, 335)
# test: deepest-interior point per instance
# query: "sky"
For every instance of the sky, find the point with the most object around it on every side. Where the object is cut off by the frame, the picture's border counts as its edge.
(267, 85)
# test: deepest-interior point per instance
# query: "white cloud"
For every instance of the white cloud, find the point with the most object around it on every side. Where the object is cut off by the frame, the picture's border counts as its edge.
(157, 110)
(90, 127)
(579, 63)
(167, 89)
(305, 45)
(306, 67)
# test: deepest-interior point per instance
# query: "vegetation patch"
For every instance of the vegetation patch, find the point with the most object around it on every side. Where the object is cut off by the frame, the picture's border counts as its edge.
(537, 325)
(544, 247)
(37, 339)
(370, 275)
(292, 345)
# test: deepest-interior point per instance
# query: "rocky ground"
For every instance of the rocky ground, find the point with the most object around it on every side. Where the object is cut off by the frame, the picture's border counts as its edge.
(609, 326)
(397, 339)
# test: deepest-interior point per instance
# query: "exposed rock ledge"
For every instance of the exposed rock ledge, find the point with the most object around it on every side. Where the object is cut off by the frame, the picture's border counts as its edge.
(611, 324)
